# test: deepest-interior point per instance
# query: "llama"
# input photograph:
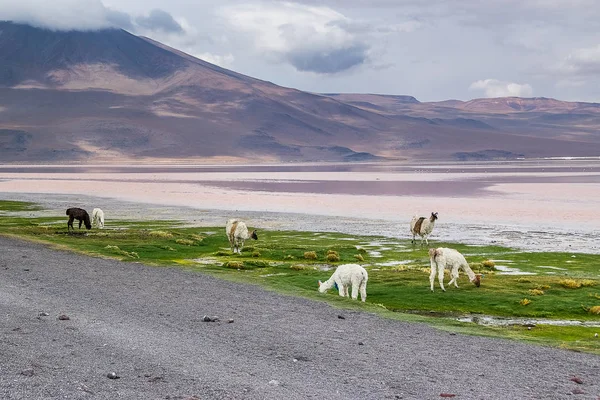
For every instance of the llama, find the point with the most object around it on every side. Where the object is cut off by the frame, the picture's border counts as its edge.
(79, 214)
(347, 275)
(442, 258)
(237, 233)
(98, 218)
(422, 226)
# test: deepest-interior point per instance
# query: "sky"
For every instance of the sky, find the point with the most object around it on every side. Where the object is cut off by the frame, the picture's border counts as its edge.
(431, 49)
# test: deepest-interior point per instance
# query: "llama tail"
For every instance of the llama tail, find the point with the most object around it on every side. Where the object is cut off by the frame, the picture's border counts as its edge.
(435, 253)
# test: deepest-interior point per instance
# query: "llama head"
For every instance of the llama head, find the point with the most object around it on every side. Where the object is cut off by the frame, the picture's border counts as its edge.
(477, 280)
(87, 222)
(431, 253)
(433, 216)
(322, 288)
(254, 235)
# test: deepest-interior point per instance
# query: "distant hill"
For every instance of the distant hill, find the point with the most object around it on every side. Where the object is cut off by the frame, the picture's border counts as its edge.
(108, 95)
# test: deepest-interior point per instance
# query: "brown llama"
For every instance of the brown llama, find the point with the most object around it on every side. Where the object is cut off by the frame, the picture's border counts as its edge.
(79, 214)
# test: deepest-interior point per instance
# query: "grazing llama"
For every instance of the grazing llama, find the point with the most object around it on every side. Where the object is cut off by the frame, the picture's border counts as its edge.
(237, 233)
(445, 258)
(98, 218)
(422, 226)
(347, 275)
(79, 214)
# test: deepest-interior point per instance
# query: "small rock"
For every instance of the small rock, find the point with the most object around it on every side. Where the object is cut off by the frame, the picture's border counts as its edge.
(27, 372)
(156, 379)
(447, 395)
(206, 318)
(112, 375)
(452, 334)
(577, 380)
(274, 382)
(85, 389)
(43, 314)
(341, 317)
(360, 343)
(64, 317)
(230, 321)
(578, 391)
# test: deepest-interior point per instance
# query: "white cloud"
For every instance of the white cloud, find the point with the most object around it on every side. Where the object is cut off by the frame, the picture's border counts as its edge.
(57, 14)
(224, 61)
(583, 61)
(496, 88)
(311, 38)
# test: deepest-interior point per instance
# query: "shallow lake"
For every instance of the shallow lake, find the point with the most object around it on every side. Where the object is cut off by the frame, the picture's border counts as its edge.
(536, 204)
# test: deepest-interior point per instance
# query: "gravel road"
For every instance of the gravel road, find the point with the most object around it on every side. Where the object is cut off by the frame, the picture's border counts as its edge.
(145, 325)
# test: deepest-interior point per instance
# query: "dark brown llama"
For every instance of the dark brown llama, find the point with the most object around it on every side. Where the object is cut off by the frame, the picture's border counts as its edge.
(78, 214)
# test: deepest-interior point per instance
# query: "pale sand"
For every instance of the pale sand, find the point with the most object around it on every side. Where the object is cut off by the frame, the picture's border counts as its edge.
(483, 197)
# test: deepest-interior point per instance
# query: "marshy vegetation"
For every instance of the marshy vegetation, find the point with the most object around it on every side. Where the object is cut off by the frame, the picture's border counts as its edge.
(517, 285)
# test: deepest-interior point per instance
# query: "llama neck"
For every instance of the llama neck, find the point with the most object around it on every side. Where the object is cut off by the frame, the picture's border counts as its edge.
(328, 284)
(469, 272)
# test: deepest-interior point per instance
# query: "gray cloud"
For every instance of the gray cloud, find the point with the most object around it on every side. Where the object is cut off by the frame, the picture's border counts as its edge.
(120, 19)
(159, 20)
(328, 62)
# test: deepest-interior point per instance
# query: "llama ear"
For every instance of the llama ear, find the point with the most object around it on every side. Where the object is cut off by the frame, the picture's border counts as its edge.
(319, 283)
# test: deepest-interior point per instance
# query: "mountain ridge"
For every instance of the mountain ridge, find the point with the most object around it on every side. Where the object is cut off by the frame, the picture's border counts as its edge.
(111, 95)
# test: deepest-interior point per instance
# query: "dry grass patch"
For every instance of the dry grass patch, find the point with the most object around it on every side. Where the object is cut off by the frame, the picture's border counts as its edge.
(234, 264)
(359, 257)
(160, 234)
(256, 253)
(117, 250)
(594, 310)
(310, 255)
(525, 302)
(569, 283)
(185, 242)
(489, 264)
(332, 256)
(536, 292)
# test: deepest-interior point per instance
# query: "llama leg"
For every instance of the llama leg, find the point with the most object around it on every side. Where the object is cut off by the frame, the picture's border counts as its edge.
(441, 276)
(342, 290)
(354, 290)
(454, 277)
(432, 274)
(70, 223)
(80, 222)
(363, 291)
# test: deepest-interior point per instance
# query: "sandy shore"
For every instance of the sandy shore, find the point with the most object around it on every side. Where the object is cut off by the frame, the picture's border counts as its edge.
(536, 206)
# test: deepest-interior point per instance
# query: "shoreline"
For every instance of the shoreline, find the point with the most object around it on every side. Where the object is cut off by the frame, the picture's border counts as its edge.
(550, 206)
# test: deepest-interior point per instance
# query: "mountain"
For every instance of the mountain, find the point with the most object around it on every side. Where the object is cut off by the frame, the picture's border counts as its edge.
(108, 95)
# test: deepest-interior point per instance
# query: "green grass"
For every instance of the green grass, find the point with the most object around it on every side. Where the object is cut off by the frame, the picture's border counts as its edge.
(398, 271)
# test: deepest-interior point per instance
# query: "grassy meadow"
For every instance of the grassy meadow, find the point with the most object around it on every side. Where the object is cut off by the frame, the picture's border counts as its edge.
(553, 286)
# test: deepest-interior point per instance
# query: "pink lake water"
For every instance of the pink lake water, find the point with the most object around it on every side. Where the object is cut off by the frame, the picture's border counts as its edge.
(537, 205)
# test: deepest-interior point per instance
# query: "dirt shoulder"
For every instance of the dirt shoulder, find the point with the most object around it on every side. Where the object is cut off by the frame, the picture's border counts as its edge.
(145, 324)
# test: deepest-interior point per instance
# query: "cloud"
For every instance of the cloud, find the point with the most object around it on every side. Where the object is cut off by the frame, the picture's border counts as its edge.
(159, 20)
(584, 61)
(60, 14)
(327, 62)
(310, 38)
(496, 88)
(222, 61)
